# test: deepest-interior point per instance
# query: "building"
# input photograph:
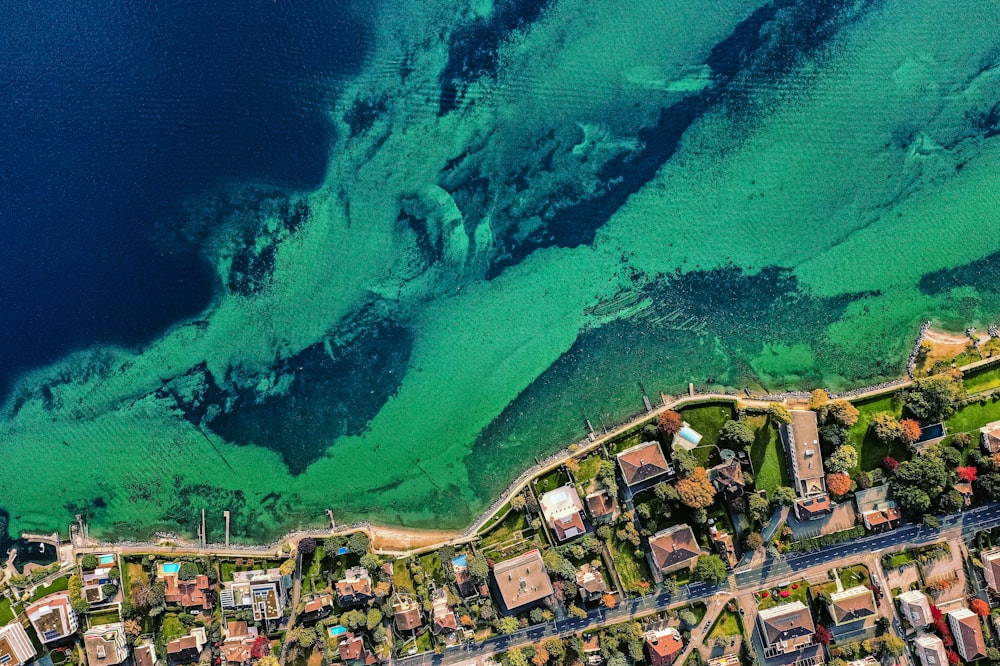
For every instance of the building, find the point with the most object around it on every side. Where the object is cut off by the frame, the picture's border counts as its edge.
(801, 440)
(643, 462)
(53, 617)
(989, 437)
(187, 649)
(603, 506)
(591, 583)
(144, 654)
(663, 646)
(316, 608)
(563, 512)
(851, 605)
(991, 568)
(722, 543)
(463, 579)
(964, 489)
(355, 588)
(263, 592)
(522, 581)
(674, 549)
(930, 650)
(786, 628)
(686, 438)
(968, 633)
(915, 608)
(191, 594)
(15, 646)
(238, 645)
(728, 479)
(352, 650)
(406, 613)
(106, 644)
(878, 512)
(813, 508)
(444, 621)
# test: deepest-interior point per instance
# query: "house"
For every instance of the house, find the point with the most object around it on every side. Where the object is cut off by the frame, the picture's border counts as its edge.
(801, 440)
(603, 506)
(264, 592)
(877, 511)
(406, 613)
(238, 645)
(813, 508)
(191, 594)
(722, 543)
(728, 479)
(591, 583)
(643, 462)
(355, 588)
(930, 650)
(144, 654)
(786, 628)
(522, 581)
(463, 579)
(106, 644)
(851, 605)
(444, 615)
(929, 436)
(592, 650)
(187, 649)
(15, 646)
(674, 548)
(915, 608)
(563, 512)
(964, 489)
(663, 646)
(316, 608)
(53, 617)
(352, 649)
(989, 436)
(686, 438)
(968, 633)
(991, 568)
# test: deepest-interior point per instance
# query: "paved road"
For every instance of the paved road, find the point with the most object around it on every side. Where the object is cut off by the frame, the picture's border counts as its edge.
(963, 524)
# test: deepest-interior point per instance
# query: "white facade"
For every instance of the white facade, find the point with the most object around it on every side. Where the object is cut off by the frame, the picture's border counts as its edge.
(15, 646)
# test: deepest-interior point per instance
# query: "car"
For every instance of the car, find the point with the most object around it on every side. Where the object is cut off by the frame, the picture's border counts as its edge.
(743, 611)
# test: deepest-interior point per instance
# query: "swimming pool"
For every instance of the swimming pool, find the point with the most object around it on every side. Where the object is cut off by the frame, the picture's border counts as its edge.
(106, 559)
(337, 631)
(171, 567)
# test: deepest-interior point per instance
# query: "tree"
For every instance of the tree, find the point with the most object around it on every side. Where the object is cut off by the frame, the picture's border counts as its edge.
(951, 501)
(507, 625)
(541, 656)
(515, 657)
(823, 635)
(287, 567)
(842, 413)
(268, 660)
(979, 607)
(967, 473)
(753, 541)
(685, 462)
(912, 500)
(141, 594)
(953, 659)
(670, 422)
(909, 430)
(696, 491)
(890, 464)
(609, 600)
(576, 612)
(373, 619)
(307, 546)
(89, 562)
(670, 586)
(838, 483)
(133, 627)
(931, 521)
(479, 568)
(371, 562)
(783, 496)
(688, 618)
(843, 459)
(518, 503)
(893, 645)
(779, 414)
(886, 428)
(358, 543)
(735, 435)
(710, 569)
(863, 480)
(665, 491)
(188, 571)
(818, 399)
(934, 398)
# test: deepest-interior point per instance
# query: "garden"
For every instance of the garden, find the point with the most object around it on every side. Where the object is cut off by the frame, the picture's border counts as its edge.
(767, 454)
(797, 591)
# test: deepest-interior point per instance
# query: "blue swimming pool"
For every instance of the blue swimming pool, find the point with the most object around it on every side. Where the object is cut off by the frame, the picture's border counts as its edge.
(337, 630)
(171, 567)
(106, 559)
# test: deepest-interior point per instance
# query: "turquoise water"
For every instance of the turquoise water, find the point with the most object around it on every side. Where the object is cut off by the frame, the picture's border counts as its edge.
(171, 567)
(337, 631)
(525, 225)
(110, 559)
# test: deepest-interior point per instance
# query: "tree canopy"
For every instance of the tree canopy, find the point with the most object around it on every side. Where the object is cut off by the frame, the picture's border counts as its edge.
(670, 422)
(934, 398)
(735, 435)
(838, 483)
(711, 569)
(843, 459)
(696, 491)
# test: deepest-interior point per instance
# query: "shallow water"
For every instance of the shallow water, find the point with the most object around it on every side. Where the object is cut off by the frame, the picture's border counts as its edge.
(528, 219)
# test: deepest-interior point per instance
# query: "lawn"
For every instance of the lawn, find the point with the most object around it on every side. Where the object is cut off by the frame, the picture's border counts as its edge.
(631, 569)
(58, 585)
(431, 566)
(172, 628)
(871, 452)
(496, 519)
(854, 576)
(626, 441)
(6, 612)
(974, 416)
(983, 380)
(510, 538)
(707, 419)
(796, 592)
(401, 579)
(551, 481)
(587, 472)
(312, 576)
(768, 455)
(107, 617)
(727, 624)
(424, 642)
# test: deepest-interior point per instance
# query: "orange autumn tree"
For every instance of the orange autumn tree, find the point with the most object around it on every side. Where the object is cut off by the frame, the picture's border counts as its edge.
(696, 491)
(910, 430)
(838, 483)
(670, 422)
(979, 607)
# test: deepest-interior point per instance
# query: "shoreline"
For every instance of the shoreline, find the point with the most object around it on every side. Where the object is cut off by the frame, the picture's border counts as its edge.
(401, 541)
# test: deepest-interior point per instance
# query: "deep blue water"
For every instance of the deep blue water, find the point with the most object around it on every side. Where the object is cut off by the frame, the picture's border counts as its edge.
(114, 113)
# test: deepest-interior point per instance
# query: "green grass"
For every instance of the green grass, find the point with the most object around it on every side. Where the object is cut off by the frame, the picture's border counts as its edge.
(983, 380)
(497, 518)
(513, 523)
(626, 441)
(172, 628)
(106, 617)
(631, 569)
(6, 612)
(424, 642)
(707, 419)
(727, 624)
(551, 481)
(974, 416)
(870, 450)
(854, 576)
(587, 471)
(768, 455)
(58, 585)
(431, 565)
(401, 579)
(800, 593)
